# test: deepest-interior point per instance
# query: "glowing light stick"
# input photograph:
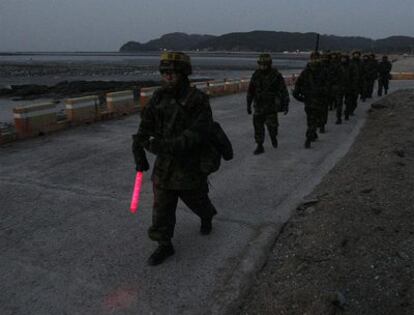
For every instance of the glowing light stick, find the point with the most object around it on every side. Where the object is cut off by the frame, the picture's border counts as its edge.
(137, 190)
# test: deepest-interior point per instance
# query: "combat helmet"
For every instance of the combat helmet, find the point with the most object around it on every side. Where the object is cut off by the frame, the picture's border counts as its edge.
(356, 53)
(175, 61)
(264, 59)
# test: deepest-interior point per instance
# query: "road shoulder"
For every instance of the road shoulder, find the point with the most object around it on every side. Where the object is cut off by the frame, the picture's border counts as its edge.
(351, 249)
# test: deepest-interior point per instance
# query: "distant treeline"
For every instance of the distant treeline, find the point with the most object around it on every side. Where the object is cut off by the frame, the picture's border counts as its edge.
(271, 41)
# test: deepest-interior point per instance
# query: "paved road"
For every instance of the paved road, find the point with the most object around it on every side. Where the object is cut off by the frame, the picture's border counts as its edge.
(70, 246)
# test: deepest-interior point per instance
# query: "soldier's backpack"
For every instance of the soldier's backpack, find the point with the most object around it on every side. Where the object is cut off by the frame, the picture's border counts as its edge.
(217, 147)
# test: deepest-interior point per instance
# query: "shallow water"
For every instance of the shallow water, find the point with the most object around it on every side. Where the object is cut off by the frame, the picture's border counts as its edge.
(120, 67)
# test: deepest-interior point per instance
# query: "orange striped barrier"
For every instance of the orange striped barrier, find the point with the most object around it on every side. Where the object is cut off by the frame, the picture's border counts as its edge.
(36, 119)
(146, 94)
(82, 109)
(216, 88)
(203, 86)
(402, 75)
(6, 136)
(231, 86)
(122, 102)
(244, 85)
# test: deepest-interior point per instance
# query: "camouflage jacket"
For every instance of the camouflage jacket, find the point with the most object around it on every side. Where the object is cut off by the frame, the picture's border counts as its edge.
(373, 69)
(356, 74)
(182, 126)
(312, 85)
(365, 70)
(335, 74)
(384, 69)
(268, 92)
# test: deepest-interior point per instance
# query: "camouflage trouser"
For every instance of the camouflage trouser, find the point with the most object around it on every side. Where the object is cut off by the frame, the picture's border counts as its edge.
(353, 102)
(313, 118)
(365, 89)
(324, 114)
(383, 83)
(260, 120)
(341, 99)
(165, 205)
(337, 95)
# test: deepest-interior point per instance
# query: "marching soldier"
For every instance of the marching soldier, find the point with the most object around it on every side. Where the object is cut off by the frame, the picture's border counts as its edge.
(311, 88)
(384, 75)
(174, 127)
(268, 94)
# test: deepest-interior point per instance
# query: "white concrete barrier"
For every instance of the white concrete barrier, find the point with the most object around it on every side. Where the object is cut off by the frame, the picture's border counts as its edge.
(83, 109)
(122, 102)
(146, 94)
(35, 119)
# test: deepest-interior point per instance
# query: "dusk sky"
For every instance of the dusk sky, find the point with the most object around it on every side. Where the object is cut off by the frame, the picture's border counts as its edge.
(104, 25)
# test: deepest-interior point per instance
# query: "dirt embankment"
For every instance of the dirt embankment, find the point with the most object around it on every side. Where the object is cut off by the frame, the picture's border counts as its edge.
(351, 249)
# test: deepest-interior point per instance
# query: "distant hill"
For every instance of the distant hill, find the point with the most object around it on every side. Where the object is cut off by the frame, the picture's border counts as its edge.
(171, 41)
(271, 41)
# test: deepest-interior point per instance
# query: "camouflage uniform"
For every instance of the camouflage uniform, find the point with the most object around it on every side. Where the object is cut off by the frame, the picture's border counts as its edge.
(345, 90)
(174, 127)
(372, 74)
(356, 75)
(384, 69)
(269, 95)
(365, 77)
(335, 79)
(176, 172)
(311, 88)
(329, 99)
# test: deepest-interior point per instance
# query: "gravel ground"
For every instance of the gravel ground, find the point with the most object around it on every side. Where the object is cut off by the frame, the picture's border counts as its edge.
(350, 249)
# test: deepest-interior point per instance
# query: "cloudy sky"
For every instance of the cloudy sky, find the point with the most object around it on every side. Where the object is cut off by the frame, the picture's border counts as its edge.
(104, 25)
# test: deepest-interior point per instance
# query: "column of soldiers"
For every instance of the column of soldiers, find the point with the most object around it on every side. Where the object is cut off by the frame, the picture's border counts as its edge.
(336, 81)
(176, 123)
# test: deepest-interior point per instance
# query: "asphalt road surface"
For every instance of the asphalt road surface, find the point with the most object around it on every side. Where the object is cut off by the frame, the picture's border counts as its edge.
(69, 244)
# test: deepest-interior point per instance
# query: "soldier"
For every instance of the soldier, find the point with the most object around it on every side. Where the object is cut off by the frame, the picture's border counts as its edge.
(311, 88)
(336, 85)
(269, 95)
(174, 127)
(357, 83)
(365, 77)
(373, 74)
(384, 75)
(329, 99)
(345, 89)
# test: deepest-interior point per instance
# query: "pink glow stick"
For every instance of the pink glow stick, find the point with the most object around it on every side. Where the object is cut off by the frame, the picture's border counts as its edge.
(137, 190)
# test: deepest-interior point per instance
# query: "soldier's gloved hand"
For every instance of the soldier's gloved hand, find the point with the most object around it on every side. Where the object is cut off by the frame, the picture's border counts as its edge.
(249, 110)
(141, 162)
(142, 165)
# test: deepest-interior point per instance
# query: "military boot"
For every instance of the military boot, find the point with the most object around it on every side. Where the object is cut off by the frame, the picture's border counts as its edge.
(308, 143)
(274, 141)
(322, 129)
(206, 226)
(346, 116)
(162, 252)
(259, 149)
(338, 121)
